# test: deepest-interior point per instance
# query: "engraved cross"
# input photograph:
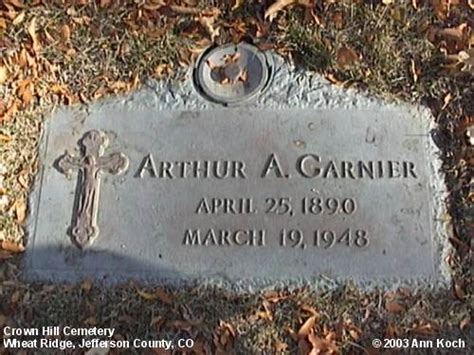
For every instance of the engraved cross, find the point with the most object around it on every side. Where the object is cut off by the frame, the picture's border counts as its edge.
(90, 164)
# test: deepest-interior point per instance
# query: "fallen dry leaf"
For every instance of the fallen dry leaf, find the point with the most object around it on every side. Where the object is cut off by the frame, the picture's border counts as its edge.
(134, 82)
(457, 32)
(86, 285)
(27, 94)
(443, 7)
(306, 327)
(423, 329)
(229, 327)
(20, 210)
(470, 139)
(5, 138)
(280, 346)
(229, 59)
(337, 19)
(452, 39)
(15, 297)
(262, 315)
(459, 291)
(274, 296)
(334, 80)
(25, 59)
(394, 307)
(185, 324)
(391, 331)
(465, 123)
(26, 297)
(346, 57)
(10, 14)
(65, 33)
(163, 296)
(119, 85)
(62, 91)
(23, 179)
(322, 345)
(465, 322)
(4, 202)
(157, 294)
(153, 5)
(34, 35)
(163, 70)
(91, 321)
(467, 59)
(157, 322)
(414, 70)
(310, 310)
(185, 10)
(237, 4)
(82, 20)
(268, 312)
(146, 295)
(303, 347)
(224, 341)
(3, 74)
(105, 3)
(447, 100)
(279, 5)
(18, 19)
(12, 246)
(15, 3)
(208, 22)
(355, 333)
(184, 57)
(200, 347)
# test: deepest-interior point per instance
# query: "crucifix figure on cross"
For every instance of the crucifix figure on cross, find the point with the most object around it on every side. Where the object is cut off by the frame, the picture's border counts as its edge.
(90, 164)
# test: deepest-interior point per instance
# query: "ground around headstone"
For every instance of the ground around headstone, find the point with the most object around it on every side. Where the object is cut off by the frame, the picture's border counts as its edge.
(54, 55)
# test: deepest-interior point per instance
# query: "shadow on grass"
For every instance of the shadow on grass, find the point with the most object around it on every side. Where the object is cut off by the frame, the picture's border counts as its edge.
(216, 317)
(157, 307)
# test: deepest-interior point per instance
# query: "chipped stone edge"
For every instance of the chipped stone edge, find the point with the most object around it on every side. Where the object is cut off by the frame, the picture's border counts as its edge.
(289, 88)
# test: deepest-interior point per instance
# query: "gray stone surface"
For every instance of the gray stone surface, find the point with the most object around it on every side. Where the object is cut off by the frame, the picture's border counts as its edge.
(143, 214)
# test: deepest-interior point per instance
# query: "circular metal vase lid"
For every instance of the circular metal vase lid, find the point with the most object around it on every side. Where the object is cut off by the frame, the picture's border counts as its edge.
(232, 73)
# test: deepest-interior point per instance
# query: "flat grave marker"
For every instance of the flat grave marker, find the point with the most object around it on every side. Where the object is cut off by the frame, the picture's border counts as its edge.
(255, 193)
